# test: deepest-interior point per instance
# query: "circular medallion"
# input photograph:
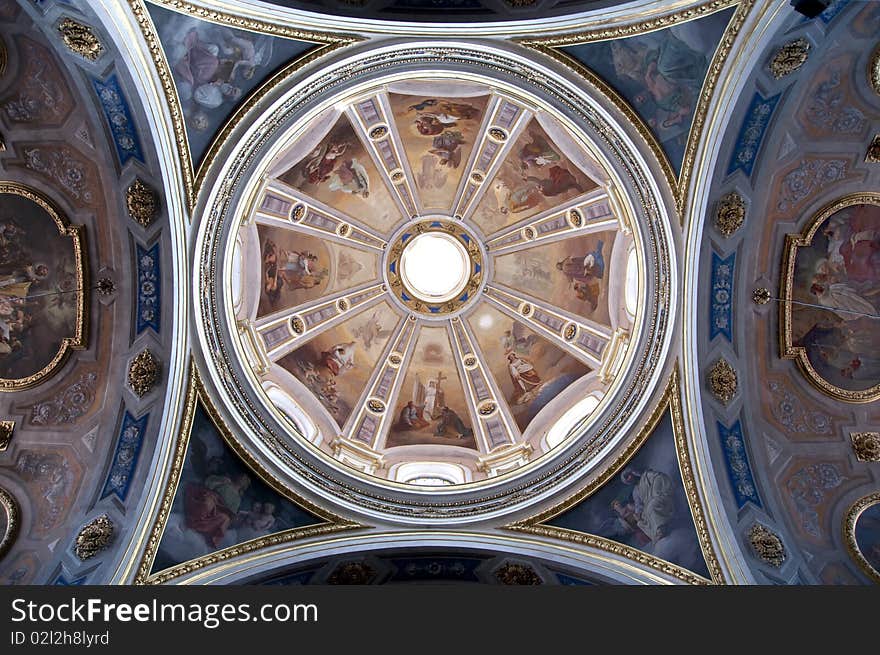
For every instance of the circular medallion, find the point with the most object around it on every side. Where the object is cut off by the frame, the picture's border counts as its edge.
(434, 267)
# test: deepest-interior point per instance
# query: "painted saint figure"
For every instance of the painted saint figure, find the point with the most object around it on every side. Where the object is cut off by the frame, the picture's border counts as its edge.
(523, 375)
(449, 419)
(411, 418)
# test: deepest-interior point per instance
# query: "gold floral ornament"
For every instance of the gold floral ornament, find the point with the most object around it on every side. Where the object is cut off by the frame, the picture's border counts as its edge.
(731, 214)
(761, 296)
(789, 58)
(143, 373)
(517, 574)
(95, 536)
(866, 446)
(352, 573)
(6, 430)
(767, 545)
(872, 156)
(80, 39)
(141, 202)
(722, 381)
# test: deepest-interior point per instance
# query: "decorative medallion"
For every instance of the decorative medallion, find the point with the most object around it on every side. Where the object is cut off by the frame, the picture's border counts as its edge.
(105, 286)
(872, 156)
(43, 287)
(6, 430)
(722, 381)
(375, 405)
(11, 521)
(378, 132)
(80, 39)
(517, 574)
(789, 58)
(297, 325)
(575, 218)
(866, 446)
(298, 213)
(143, 373)
(352, 573)
(487, 408)
(761, 296)
(570, 332)
(730, 214)
(95, 536)
(425, 292)
(829, 308)
(497, 134)
(141, 202)
(767, 545)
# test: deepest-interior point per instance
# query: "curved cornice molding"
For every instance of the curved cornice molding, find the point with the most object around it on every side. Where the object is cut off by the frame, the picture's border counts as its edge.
(618, 569)
(662, 12)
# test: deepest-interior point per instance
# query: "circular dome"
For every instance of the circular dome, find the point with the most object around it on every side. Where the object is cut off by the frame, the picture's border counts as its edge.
(433, 281)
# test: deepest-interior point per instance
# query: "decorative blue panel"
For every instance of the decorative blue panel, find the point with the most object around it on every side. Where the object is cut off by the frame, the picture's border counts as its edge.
(148, 288)
(738, 468)
(721, 318)
(125, 457)
(751, 133)
(833, 9)
(61, 581)
(119, 118)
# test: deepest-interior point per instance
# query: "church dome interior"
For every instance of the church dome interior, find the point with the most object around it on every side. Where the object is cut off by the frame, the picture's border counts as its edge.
(508, 292)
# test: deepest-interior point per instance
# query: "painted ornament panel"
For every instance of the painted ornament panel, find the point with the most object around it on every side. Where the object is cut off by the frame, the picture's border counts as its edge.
(296, 268)
(570, 274)
(535, 176)
(438, 135)
(838, 277)
(431, 407)
(529, 370)
(339, 172)
(336, 364)
(41, 287)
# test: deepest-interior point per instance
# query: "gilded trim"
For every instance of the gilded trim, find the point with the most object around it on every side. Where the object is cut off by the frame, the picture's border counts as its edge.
(670, 400)
(13, 521)
(193, 176)
(679, 184)
(196, 393)
(77, 234)
(849, 533)
(786, 284)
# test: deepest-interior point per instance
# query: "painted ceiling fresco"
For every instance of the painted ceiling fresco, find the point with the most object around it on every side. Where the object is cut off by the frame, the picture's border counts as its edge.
(759, 462)
(434, 387)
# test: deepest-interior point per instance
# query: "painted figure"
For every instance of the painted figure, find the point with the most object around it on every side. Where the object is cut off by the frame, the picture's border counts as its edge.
(411, 418)
(523, 375)
(653, 500)
(449, 419)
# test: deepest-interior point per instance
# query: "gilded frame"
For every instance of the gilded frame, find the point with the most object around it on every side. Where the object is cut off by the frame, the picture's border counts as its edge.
(786, 283)
(550, 46)
(196, 394)
(193, 174)
(79, 340)
(13, 521)
(849, 533)
(671, 400)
